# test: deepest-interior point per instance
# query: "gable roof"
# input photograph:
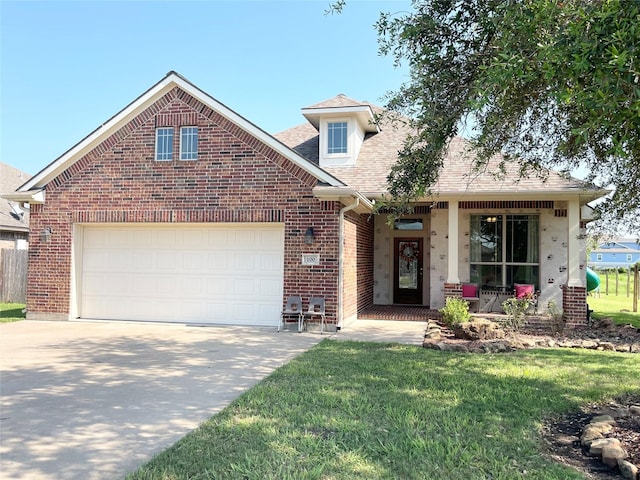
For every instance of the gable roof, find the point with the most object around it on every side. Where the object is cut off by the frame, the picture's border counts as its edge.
(626, 245)
(457, 178)
(32, 190)
(12, 216)
(342, 105)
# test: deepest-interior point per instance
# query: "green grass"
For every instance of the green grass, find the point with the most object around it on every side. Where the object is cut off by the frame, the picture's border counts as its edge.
(618, 308)
(351, 410)
(11, 312)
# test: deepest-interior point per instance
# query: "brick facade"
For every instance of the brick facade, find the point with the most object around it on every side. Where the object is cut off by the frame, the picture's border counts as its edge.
(358, 264)
(236, 178)
(574, 305)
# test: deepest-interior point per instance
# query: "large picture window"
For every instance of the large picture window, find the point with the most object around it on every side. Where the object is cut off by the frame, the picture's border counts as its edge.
(505, 250)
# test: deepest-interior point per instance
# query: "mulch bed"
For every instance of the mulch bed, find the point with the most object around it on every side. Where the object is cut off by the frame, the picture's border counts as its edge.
(561, 436)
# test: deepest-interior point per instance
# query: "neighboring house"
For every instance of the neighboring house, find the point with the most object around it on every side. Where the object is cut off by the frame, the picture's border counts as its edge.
(179, 209)
(14, 218)
(618, 253)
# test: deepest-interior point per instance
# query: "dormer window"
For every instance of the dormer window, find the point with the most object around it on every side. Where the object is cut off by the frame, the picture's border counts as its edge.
(336, 137)
(342, 125)
(339, 142)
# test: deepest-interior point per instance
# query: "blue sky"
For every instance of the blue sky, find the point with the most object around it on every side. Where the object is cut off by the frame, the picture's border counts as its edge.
(67, 67)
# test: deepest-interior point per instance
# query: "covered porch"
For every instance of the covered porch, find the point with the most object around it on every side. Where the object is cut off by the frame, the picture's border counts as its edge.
(422, 314)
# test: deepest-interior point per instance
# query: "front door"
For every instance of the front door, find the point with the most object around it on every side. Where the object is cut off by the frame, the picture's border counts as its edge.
(407, 271)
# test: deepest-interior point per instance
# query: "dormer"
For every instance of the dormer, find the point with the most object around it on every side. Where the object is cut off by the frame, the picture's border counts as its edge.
(342, 123)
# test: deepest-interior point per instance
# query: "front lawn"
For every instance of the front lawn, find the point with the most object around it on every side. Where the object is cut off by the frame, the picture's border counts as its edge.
(352, 410)
(11, 312)
(617, 307)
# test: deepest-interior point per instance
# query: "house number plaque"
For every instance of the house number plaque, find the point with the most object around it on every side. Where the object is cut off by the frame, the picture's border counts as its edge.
(310, 259)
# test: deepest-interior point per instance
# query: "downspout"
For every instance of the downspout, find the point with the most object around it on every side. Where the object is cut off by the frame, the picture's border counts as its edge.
(341, 259)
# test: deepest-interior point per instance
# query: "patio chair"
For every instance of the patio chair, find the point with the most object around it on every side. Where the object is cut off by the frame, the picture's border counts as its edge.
(316, 309)
(293, 308)
(527, 291)
(471, 295)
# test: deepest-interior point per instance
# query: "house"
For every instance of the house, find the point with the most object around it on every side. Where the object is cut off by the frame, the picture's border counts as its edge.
(616, 253)
(14, 219)
(179, 209)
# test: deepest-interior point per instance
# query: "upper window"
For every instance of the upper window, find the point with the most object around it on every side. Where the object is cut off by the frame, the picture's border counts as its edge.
(629, 257)
(598, 257)
(189, 143)
(164, 143)
(336, 137)
(504, 249)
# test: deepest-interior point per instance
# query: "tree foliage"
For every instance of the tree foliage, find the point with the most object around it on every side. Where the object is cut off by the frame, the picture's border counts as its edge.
(554, 82)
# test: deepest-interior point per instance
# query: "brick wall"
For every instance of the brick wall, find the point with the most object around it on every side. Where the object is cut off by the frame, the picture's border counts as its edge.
(358, 264)
(452, 290)
(235, 179)
(574, 306)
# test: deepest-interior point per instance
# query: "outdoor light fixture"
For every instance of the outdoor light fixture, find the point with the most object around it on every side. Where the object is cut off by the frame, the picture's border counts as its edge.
(45, 235)
(308, 236)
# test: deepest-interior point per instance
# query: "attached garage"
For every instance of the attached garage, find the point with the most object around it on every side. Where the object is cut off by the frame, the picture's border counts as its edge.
(193, 273)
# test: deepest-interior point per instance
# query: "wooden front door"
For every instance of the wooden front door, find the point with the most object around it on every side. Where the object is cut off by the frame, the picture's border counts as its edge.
(407, 271)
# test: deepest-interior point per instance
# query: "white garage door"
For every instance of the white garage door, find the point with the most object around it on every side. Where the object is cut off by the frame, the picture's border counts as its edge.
(220, 274)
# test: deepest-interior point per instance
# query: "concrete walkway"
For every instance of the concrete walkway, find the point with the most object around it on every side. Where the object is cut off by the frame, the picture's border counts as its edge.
(95, 400)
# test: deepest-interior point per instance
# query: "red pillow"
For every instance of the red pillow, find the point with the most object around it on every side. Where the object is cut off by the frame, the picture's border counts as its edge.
(469, 291)
(522, 290)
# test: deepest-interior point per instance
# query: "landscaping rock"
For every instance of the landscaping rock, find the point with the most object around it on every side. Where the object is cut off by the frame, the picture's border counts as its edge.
(611, 454)
(479, 329)
(606, 346)
(433, 334)
(628, 470)
(601, 427)
(634, 410)
(603, 419)
(598, 445)
(591, 344)
(594, 432)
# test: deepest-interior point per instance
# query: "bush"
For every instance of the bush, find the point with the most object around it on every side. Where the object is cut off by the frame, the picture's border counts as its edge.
(455, 312)
(515, 308)
(558, 320)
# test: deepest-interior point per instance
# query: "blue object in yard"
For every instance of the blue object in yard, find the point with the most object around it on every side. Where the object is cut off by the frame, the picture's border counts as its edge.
(593, 280)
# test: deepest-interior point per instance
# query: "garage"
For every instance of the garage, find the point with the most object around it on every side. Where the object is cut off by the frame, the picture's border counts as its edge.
(207, 273)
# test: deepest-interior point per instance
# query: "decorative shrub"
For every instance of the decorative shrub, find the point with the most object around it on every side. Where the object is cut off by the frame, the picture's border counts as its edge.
(558, 319)
(516, 308)
(455, 312)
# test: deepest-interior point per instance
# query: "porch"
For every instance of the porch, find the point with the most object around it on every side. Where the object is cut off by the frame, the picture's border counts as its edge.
(422, 314)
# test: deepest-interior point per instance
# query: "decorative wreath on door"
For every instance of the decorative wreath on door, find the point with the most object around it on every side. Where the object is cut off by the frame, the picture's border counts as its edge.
(408, 251)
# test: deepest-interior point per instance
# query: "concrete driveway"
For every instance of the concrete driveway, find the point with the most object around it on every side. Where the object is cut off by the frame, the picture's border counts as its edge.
(95, 400)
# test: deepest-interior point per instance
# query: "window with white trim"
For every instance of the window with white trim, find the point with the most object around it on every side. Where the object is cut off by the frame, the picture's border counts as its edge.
(505, 249)
(188, 143)
(164, 143)
(598, 257)
(337, 137)
(629, 257)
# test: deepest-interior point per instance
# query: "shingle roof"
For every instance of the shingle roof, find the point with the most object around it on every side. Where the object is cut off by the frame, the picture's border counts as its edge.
(12, 217)
(379, 153)
(341, 100)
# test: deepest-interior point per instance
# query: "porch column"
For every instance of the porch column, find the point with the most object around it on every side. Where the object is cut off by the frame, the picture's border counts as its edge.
(452, 264)
(573, 244)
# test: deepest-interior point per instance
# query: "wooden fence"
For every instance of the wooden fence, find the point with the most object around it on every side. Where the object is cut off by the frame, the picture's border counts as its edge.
(13, 275)
(617, 283)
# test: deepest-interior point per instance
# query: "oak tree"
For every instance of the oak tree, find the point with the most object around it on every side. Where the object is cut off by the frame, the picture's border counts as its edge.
(553, 83)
